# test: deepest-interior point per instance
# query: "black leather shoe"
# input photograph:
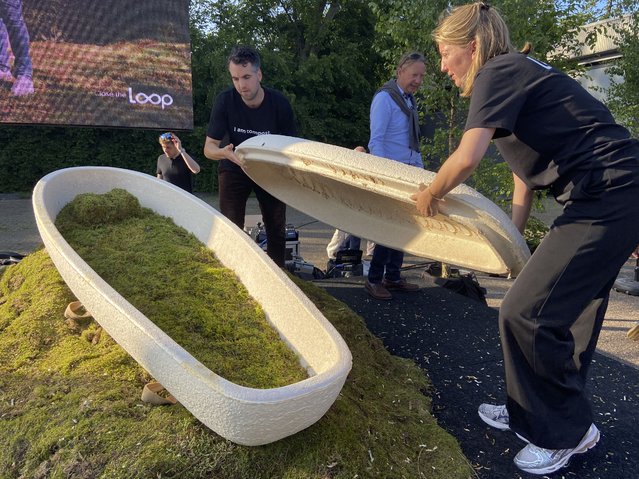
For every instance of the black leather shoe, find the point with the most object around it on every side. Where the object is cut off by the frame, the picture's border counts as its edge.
(377, 291)
(401, 285)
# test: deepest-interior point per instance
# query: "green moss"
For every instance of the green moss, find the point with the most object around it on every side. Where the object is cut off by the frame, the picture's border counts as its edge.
(90, 209)
(169, 276)
(70, 407)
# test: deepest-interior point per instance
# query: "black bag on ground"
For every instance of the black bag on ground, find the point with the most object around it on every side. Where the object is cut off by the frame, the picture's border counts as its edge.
(465, 284)
(347, 263)
(9, 257)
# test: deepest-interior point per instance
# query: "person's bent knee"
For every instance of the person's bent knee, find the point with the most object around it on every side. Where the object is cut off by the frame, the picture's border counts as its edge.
(509, 311)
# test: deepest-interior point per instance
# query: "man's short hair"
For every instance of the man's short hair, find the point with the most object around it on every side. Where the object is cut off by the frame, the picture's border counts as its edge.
(410, 58)
(242, 55)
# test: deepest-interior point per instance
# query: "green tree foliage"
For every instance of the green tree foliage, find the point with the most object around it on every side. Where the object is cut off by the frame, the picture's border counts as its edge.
(623, 96)
(329, 58)
(317, 52)
(551, 27)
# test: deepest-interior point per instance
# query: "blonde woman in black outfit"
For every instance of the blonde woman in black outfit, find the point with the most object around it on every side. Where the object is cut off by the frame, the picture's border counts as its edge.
(554, 135)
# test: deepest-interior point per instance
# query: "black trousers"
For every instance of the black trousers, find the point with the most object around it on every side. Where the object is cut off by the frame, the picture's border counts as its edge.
(551, 317)
(235, 188)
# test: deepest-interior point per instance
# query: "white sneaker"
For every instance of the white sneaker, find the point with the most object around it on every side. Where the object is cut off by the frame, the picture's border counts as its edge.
(495, 416)
(537, 460)
(5, 75)
(22, 86)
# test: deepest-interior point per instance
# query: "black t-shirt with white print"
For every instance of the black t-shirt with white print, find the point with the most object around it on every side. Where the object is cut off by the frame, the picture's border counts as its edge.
(233, 122)
(549, 129)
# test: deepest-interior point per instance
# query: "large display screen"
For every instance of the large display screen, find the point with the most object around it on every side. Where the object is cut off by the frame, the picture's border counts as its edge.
(112, 63)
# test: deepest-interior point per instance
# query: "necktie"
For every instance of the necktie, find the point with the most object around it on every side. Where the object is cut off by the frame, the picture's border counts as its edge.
(409, 100)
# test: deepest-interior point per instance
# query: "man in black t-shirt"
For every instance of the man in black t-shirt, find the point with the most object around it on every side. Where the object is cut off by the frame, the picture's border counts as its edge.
(176, 166)
(246, 110)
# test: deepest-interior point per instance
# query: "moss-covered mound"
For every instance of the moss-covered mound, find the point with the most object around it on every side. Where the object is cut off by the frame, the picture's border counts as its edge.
(90, 209)
(70, 407)
(179, 284)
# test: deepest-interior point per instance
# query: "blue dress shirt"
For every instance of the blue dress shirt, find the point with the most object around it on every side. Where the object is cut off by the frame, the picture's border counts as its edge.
(390, 131)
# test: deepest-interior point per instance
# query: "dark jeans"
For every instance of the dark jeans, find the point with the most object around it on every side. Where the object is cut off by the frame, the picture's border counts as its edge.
(13, 29)
(350, 242)
(386, 259)
(235, 188)
(551, 317)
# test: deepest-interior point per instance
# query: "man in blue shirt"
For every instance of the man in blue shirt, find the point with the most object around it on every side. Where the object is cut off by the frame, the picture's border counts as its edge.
(394, 124)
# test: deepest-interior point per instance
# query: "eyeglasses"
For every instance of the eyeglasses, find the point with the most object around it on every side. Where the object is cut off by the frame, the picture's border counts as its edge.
(167, 137)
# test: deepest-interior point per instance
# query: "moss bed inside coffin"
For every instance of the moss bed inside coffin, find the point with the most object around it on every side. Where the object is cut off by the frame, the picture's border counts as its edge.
(179, 284)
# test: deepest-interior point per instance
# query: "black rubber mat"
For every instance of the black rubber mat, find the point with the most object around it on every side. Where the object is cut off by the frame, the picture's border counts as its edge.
(456, 341)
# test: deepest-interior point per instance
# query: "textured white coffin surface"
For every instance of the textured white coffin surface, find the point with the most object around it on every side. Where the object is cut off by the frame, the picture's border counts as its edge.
(243, 415)
(369, 197)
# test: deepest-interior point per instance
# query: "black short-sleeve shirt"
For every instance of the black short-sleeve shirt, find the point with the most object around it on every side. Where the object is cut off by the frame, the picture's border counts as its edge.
(175, 171)
(233, 122)
(549, 129)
